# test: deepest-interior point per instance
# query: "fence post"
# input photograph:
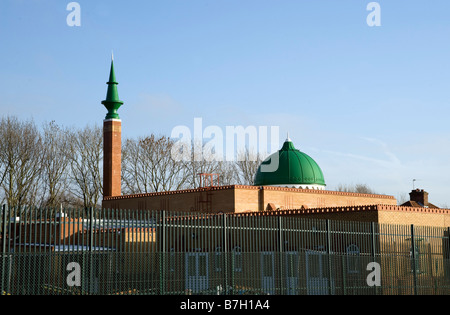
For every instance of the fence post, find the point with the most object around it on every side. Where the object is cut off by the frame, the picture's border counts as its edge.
(344, 276)
(448, 244)
(4, 219)
(225, 251)
(374, 248)
(3, 216)
(162, 252)
(280, 253)
(328, 240)
(413, 257)
(91, 229)
(91, 247)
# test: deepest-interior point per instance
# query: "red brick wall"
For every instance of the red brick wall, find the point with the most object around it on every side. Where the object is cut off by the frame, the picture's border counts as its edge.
(241, 198)
(385, 214)
(414, 215)
(112, 157)
(251, 198)
(217, 199)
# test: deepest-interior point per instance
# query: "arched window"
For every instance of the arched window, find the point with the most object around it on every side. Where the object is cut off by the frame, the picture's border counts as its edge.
(237, 259)
(172, 261)
(415, 263)
(353, 258)
(218, 260)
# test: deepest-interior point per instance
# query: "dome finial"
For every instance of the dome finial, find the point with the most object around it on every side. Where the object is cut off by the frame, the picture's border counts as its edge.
(288, 139)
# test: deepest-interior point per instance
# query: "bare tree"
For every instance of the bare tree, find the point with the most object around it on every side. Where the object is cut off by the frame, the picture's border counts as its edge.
(402, 198)
(247, 165)
(358, 188)
(228, 173)
(85, 154)
(201, 161)
(21, 155)
(170, 170)
(55, 164)
(149, 165)
(135, 177)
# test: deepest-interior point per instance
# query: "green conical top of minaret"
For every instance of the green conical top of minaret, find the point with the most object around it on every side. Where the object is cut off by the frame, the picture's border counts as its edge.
(112, 102)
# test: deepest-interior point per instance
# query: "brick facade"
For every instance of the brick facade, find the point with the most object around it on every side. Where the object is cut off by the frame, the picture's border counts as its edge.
(384, 214)
(112, 157)
(240, 198)
(267, 200)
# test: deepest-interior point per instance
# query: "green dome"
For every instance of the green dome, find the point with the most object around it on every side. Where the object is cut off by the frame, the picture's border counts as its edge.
(295, 169)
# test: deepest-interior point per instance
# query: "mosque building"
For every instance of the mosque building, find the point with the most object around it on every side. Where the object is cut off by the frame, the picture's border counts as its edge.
(295, 188)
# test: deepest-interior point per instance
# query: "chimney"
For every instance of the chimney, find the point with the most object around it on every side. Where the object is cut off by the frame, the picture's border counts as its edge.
(420, 196)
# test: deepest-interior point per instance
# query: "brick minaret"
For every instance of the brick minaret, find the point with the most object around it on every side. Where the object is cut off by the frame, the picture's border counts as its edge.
(112, 142)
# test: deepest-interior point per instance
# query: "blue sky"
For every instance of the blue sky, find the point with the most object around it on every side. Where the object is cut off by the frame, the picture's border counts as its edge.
(369, 104)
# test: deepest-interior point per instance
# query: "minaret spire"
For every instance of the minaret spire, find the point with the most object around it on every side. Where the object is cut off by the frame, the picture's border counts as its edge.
(112, 142)
(112, 102)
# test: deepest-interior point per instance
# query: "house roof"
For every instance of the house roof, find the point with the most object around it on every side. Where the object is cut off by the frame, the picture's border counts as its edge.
(412, 203)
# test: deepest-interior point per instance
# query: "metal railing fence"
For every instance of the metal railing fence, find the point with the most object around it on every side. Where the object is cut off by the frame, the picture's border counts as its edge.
(89, 251)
